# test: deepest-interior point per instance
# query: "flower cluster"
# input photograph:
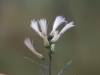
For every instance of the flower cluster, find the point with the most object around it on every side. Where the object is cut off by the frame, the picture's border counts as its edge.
(49, 40)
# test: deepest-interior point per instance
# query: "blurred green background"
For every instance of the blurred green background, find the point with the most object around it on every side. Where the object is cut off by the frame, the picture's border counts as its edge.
(81, 43)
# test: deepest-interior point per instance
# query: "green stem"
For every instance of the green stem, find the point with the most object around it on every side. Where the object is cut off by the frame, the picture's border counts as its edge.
(50, 68)
(36, 62)
(50, 59)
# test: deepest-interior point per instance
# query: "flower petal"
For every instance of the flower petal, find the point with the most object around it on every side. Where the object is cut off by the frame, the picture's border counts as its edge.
(58, 21)
(67, 26)
(34, 25)
(52, 47)
(28, 43)
(55, 36)
(43, 26)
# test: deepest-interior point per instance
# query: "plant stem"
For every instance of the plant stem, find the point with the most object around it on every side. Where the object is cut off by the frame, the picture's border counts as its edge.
(49, 68)
(50, 59)
(36, 62)
(42, 72)
(65, 67)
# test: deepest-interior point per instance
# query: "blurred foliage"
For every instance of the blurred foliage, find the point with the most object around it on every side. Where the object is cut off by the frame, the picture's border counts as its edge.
(80, 43)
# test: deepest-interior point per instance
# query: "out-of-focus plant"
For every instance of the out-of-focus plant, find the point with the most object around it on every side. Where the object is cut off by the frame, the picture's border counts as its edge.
(49, 40)
(2, 74)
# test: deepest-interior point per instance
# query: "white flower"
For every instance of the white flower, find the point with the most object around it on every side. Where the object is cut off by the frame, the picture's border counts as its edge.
(43, 34)
(67, 26)
(58, 21)
(28, 43)
(54, 35)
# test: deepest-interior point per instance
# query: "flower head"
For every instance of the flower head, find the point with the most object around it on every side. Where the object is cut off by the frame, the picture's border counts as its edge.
(43, 26)
(54, 35)
(58, 21)
(28, 43)
(58, 35)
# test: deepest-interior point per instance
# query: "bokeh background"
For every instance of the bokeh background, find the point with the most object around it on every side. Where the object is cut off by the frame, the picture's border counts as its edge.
(81, 43)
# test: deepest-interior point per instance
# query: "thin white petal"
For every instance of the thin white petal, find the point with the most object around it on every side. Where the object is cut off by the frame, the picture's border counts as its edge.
(55, 36)
(55, 33)
(28, 43)
(34, 25)
(58, 21)
(43, 26)
(67, 26)
(52, 47)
